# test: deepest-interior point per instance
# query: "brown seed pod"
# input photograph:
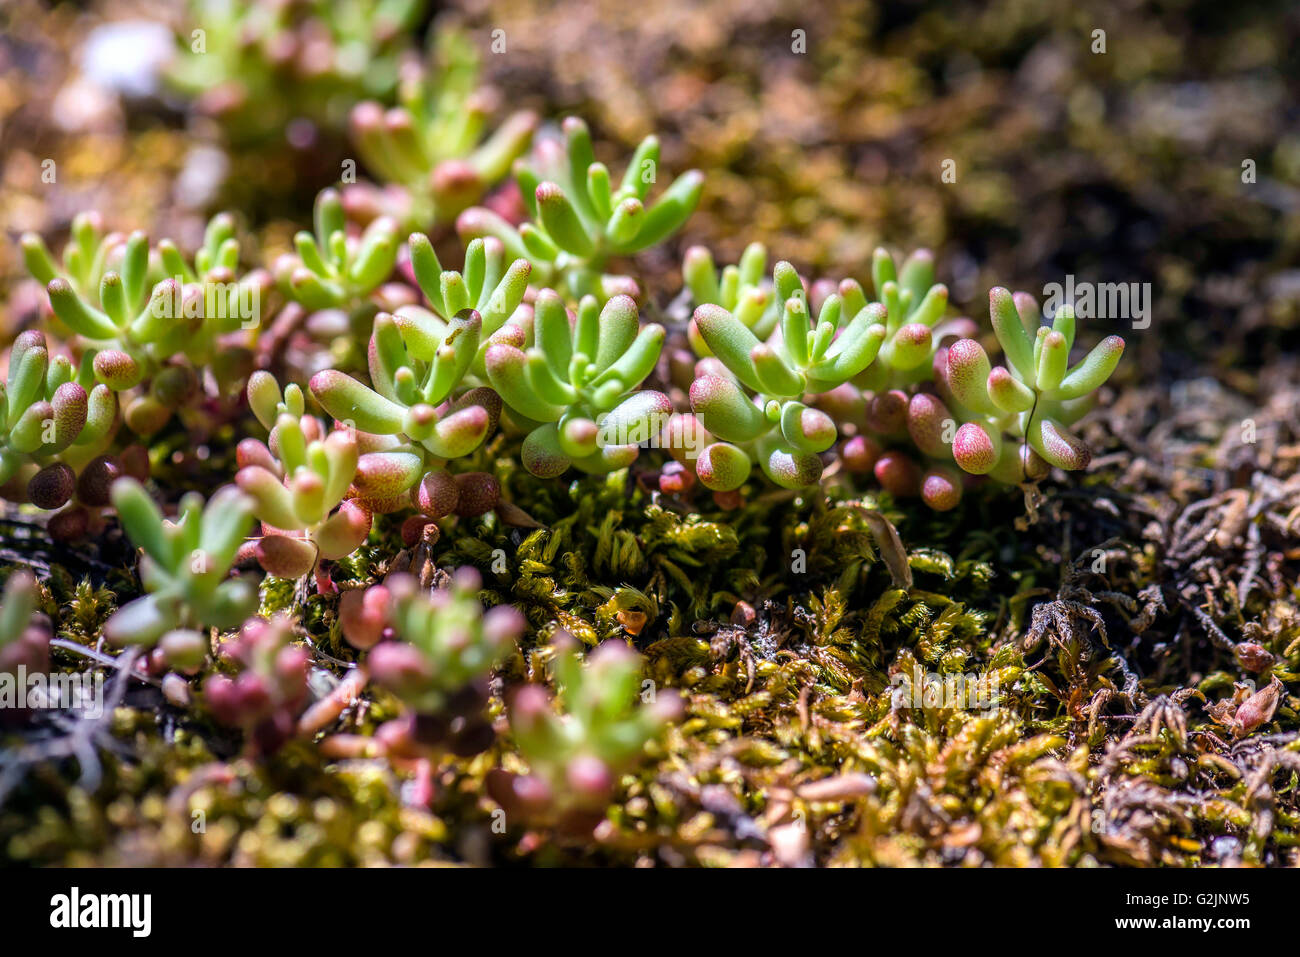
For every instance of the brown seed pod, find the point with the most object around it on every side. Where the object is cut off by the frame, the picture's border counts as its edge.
(860, 454)
(478, 492)
(69, 525)
(96, 479)
(743, 614)
(898, 474)
(52, 486)
(1253, 657)
(1258, 709)
(413, 530)
(437, 494)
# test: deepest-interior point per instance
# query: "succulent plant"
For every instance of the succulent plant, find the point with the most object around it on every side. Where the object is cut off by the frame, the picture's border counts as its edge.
(225, 305)
(742, 289)
(269, 688)
(486, 285)
(422, 408)
(914, 309)
(434, 651)
(427, 150)
(1008, 424)
(579, 220)
(184, 569)
(257, 65)
(903, 431)
(148, 322)
(24, 631)
(575, 389)
(55, 420)
(86, 257)
(931, 409)
(576, 753)
(299, 482)
(800, 359)
(412, 421)
(25, 635)
(1033, 399)
(331, 269)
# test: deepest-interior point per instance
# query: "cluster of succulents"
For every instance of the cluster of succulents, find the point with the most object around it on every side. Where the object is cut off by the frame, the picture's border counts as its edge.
(423, 407)
(56, 420)
(901, 380)
(916, 398)
(537, 345)
(410, 420)
(434, 650)
(575, 388)
(426, 150)
(738, 288)
(806, 359)
(257, 65)
(1036, 400)
(147, 324)
(576, 754)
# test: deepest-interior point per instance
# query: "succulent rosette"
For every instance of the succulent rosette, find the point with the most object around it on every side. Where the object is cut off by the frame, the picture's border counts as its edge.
(575, 388)
(413, 422)
(579, 221)
(932, 410)
(487, 284)
(264, 64)
(901, 431)
(430, 150)
(1023, 409)
(299, 481)
(754, 397)
(434, 650)
(742, 289)
(577, 750)
(335, 270)
(149, 323)
(185, 569)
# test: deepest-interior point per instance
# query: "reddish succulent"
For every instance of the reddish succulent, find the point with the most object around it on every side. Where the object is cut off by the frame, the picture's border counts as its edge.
(268, 688)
